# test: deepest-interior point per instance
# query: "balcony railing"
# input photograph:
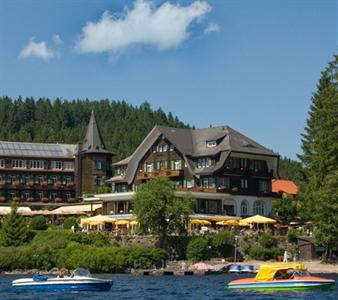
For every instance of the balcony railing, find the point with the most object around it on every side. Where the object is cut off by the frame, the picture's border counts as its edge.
(141, 175)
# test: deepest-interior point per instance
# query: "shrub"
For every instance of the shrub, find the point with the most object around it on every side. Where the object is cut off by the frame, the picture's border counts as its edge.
(69, 222)
(56, 239)
(141, 257)
(222, 244)
(261, 253)
(198, 249)
(267, 240)
(96, 239)
(292, 235)
(39, 223)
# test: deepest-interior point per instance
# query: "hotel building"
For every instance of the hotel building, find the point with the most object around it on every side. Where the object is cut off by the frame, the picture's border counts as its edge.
(53, 174)
(227, 173)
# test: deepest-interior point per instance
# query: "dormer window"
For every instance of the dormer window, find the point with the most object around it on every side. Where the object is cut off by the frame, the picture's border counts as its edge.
(211, 144)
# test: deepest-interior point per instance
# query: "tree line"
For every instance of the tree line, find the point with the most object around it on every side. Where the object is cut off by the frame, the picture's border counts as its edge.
(44, 120)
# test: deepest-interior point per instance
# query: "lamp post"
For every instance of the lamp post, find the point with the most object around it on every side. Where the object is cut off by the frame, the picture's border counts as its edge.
(236, 238)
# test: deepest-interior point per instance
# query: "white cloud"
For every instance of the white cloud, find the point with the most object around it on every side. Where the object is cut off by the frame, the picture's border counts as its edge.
(38, 49)
(212, 27)
(163, 27)
(57, 39)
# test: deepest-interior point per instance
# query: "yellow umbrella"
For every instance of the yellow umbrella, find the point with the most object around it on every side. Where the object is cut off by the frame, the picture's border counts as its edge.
(221, 223)
(257, 219)
(243, 224)
(95, 223)
(98, 218)
(200, 222)
(121, 222)
(133, 222)
(217, 219)
(231, 222)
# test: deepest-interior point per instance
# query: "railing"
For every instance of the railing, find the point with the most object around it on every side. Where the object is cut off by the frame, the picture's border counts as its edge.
(141, 175)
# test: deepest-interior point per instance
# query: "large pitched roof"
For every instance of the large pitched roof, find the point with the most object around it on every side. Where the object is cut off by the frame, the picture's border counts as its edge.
(192, 143)
(38, 150)
(93, 141)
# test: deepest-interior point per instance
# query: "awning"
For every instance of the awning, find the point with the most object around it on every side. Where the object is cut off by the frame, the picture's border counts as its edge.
(121, 222)
(5, 210)
(76, 209)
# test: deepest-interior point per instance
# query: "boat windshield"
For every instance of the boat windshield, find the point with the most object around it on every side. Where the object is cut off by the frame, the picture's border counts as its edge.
(79, 272)
(290, 274)
(300, 273)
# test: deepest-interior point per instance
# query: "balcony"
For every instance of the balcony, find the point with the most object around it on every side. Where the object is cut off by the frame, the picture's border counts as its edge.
(142, 175)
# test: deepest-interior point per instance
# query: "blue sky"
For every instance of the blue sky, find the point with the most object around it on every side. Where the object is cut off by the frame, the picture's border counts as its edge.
(252, 65)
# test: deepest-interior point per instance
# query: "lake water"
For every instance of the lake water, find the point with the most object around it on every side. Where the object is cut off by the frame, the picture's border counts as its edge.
(165, 287)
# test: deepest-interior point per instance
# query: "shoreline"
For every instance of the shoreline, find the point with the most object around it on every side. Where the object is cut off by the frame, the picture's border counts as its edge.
(314, 267)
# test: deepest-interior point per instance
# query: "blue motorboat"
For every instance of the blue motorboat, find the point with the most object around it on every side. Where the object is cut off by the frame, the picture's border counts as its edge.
(234, 269)
(247, 269)
(80, 280)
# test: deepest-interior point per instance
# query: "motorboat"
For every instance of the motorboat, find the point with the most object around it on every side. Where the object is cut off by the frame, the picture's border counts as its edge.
(247, 269)
(282, 277)
(79, 280)
(234, 269)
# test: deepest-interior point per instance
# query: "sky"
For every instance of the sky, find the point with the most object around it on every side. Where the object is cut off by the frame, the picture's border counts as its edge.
(252, 65)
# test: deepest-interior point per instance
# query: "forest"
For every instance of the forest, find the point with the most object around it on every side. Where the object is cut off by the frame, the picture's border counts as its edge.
(123, 126)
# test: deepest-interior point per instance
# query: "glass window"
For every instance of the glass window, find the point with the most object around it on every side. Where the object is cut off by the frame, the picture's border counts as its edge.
(263, 186)
(172, 147)
(211, 144)
(178, 165)
(244, 208)
(68, 165)
(259, 208)
(57, 165)
(37, 164)
(244, 183)
(18, 163)
(2, 163)
(149, 167)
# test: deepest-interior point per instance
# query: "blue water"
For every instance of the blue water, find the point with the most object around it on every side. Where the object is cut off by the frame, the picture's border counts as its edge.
(165, 287)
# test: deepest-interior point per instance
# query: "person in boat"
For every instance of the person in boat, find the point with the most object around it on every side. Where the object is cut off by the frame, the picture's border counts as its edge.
(63, 272)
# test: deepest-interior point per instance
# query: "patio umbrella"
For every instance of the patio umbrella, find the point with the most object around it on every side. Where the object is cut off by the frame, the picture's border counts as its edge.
(133, 222)
(231, 222)
(200, 222)
(243, 224)
(257, 219)
(121, 222)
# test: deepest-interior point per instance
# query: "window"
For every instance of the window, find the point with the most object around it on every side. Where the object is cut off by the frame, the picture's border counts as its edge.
(244, 183)
(37, 164)
(211, 144)
(208, 182)
(165, 148)
(190, 183)
(171, 148)
(18, 163)
(229, 209)
(263, 186)
(57, 165)
(259, 208)
(99, 165)
(98, 180)
(2, 163)
(149, 167)
(68, 165)
(205, 162)
(178, 165)
(244, 208)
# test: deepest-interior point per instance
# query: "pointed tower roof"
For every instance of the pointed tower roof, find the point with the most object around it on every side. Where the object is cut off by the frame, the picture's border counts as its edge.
(93, 141)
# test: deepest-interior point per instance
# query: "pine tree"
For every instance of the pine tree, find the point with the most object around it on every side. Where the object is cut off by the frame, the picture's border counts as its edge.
(14, 230)
(320, 159)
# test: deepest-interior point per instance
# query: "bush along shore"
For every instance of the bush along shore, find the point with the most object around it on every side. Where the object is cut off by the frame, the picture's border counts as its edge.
(62, 248)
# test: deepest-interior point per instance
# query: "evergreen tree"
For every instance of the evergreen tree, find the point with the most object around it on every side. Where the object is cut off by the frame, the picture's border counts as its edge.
(290, 169)
(320, 159)
(14, 230)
